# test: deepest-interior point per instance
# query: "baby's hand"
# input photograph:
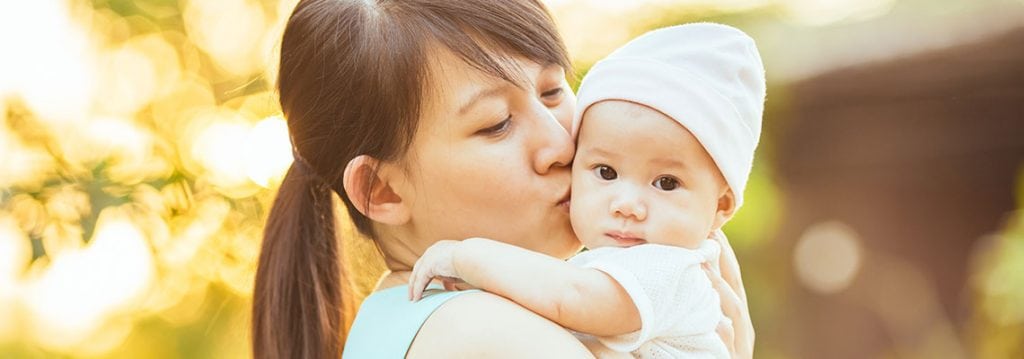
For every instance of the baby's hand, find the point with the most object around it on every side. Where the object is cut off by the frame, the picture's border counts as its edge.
(436, 262)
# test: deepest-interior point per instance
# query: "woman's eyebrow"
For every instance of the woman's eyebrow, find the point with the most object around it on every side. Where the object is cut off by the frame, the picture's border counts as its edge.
(480, 95)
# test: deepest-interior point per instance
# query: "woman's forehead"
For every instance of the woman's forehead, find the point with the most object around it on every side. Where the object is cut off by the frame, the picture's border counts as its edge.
(452, 83)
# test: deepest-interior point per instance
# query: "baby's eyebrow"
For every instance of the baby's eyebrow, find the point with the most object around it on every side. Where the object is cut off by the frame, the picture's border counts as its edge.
(599, 151)
(669, 162)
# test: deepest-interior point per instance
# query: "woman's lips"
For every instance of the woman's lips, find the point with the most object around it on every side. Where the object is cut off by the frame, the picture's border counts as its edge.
(563, 204)
(625, 239)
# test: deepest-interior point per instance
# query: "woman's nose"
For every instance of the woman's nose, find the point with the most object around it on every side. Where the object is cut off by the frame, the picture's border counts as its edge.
(627, 204)
(556, 148)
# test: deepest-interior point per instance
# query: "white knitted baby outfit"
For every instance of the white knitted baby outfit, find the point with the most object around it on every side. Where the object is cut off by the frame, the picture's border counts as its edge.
(679, 309)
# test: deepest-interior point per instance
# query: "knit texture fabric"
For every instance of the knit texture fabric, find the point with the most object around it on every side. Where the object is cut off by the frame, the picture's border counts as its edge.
(679, 309)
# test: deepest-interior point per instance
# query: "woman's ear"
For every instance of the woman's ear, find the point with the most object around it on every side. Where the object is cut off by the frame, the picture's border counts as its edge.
(726, 208)
(370, 186)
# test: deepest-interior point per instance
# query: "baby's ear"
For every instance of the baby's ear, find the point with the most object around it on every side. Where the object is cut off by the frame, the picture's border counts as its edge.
(726, 208)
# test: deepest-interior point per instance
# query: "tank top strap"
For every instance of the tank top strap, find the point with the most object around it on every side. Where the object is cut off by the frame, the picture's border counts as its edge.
(387, 322)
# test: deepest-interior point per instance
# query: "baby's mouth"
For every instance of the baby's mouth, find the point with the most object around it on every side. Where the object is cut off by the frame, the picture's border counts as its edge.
(625, 239)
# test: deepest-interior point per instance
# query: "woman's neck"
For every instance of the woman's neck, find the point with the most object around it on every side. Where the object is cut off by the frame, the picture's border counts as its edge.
(393, 279)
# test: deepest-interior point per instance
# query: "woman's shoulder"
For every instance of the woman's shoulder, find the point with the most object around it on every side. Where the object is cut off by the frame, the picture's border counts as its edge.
(387, 322)
(483, 323)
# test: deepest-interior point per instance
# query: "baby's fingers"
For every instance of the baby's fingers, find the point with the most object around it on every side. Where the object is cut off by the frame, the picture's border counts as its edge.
(449, 284)
(418, 281)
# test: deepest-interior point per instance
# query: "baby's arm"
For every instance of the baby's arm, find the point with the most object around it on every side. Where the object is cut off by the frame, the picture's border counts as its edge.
(584, 300)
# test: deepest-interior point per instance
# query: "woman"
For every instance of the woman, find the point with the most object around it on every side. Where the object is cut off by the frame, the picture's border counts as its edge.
(432, 120)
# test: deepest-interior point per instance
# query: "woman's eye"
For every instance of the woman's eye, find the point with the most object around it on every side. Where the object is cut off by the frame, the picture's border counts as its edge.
(606, 173)
(665, 183)
(498, 128)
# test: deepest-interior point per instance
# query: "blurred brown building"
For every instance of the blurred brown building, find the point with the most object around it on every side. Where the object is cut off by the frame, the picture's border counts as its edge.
(919, 157)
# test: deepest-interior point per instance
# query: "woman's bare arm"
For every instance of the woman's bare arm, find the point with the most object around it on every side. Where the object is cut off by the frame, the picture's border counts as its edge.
(477, 325)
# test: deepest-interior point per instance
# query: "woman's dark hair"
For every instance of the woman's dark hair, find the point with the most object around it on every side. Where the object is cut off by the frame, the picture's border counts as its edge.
(351, 81)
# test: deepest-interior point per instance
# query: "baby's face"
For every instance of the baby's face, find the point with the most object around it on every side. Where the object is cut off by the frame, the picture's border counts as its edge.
(641, 177)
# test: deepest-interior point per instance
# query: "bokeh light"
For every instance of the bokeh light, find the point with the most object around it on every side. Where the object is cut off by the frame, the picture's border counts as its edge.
(827, 257)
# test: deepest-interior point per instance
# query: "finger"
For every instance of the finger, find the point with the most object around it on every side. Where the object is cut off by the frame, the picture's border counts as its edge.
(727, 333)
(449, 284)
(412, 280)
(420, 279)
(730, 301)
(729, 266)
(736, 312)
(414, 286)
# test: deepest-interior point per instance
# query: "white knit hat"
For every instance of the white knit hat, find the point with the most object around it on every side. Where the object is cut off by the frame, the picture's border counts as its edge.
(708, 77)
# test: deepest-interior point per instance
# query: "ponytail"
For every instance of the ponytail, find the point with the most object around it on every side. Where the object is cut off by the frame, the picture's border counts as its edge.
(298, 301)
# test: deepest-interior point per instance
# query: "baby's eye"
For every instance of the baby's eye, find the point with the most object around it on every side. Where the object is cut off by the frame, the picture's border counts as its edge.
(605, 172)
(666, 183)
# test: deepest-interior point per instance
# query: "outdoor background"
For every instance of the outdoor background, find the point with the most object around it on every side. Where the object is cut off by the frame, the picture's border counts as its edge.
(141, 145)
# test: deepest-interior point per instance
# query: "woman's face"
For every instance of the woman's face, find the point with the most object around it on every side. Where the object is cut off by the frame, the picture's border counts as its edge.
(491, 159)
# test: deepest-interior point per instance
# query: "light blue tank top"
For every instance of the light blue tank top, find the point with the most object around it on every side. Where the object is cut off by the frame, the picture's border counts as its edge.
(387, 322)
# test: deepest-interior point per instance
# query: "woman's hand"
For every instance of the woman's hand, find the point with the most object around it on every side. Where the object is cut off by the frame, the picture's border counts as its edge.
(737, 330)
(436, 262)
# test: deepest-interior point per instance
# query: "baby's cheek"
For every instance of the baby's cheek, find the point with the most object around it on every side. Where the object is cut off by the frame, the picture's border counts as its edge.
(585, 212)
(681, 225)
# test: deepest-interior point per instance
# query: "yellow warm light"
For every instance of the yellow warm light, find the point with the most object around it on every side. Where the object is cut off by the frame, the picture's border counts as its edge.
(184, 99)
(19, 164)
(129, 79)
(14, 256)
(268, 151)
(81, 288)
(220, 149)
(128, 147)
(184, 301)
(209, 217)
(51, 69)
(237, 46)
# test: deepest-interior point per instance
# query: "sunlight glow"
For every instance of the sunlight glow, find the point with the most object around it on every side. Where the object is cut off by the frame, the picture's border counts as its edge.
(269, 151)
(221, 149)
(15, 254)
(237, 46)
(115, 268)
(19, 164)
(52, 69)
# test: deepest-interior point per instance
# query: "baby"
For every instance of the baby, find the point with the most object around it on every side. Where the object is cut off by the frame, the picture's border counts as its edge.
(666, 129)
